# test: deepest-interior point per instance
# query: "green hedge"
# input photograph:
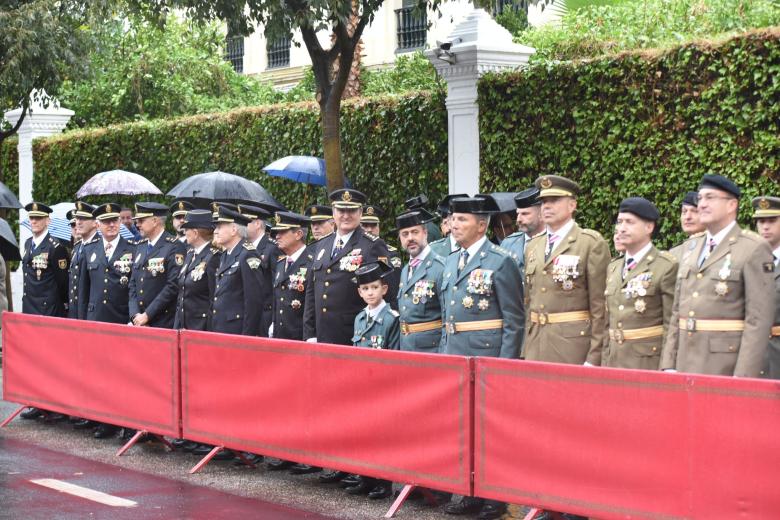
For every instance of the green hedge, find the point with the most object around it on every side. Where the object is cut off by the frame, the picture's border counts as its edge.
(639, 125)
(392, 147)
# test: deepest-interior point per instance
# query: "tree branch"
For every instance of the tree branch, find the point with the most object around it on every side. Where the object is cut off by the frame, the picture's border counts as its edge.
(4, 134)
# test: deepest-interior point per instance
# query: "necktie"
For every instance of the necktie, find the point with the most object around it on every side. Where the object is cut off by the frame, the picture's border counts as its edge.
(288, 264)
(338, 247)
(108, 250)
(777, 260)
(413, 263)
(710, 246)
(464, 258)
(551, 239)
(148, 248)
(629, 265)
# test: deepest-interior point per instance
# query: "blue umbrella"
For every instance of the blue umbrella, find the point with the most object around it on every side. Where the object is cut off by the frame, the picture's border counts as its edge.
(300, 168)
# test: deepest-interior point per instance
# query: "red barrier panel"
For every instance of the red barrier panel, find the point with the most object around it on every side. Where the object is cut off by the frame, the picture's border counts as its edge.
(395, 415)
(626, 444)
(127, 376)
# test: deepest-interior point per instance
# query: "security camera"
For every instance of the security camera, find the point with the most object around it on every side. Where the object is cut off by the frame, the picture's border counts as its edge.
(444, 50)
(447, 44)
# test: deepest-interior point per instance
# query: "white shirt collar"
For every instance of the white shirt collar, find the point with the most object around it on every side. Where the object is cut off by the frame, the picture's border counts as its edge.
(154, 242)
(37, 241)
(296, 255)
(475, 247)
(113, 243)
(373, 313)
(641, 253)
(424, 253)
(563, 232)
(453, 245)
(718, 238)
(776, 252)
(344, 238)
(94, 233)
(256, 241)
(200, 248)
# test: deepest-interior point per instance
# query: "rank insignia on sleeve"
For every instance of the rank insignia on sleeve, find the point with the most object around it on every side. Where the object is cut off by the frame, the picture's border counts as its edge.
(63, 263)
(253, 263)
(769, 267)
(179, 259)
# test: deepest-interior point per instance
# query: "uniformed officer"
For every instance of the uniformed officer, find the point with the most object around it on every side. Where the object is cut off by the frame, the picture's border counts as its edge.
(291, 275)
(179, 210)
(640, 290)
(565, 275)
(724, 301)
(234, 309)
(331, 299)
(321, 221)
(197, 275)
(482, 296)
(266, 250)
(420, 204)
(445, 245)
(766, 213)
(45, 268)
(377, 325)
(85, 230)
(689, 221)
(370, 221)
(154, 282)
(419, 295)
(528, 205)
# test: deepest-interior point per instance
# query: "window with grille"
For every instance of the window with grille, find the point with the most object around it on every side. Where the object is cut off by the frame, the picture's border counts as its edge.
(411, 27)
(278, 53)
(234, 52)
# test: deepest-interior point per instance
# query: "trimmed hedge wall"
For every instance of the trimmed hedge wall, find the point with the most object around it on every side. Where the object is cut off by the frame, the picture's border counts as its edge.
(639, 125)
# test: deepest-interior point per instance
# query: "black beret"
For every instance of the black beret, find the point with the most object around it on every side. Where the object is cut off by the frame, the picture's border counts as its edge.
(691, 199)
(721, 183)
(640, 207)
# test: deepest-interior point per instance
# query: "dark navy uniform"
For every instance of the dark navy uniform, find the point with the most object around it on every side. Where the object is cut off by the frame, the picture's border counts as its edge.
(196, 286)
(235, 309)
(104, 282)
(154, 281)
(73, 280)
(45, 269)
(290, 295)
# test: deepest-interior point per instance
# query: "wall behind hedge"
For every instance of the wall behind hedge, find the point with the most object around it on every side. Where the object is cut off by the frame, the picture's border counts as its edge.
(639, 125)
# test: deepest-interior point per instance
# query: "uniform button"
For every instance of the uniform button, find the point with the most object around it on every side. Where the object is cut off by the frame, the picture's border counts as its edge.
(105, 280)
(281, 312)
(238, 315)
(328, 271)
(452, 302)
(620, 324)
(544, 272)
(105, 290)
(699, 276)
(544, 289)
(541, 306)
(691, 313)
(582, 333)
(655, 348)
(455, 288)
(141, 291)
(731, 348)
(621, 307)
(104, 301)
(215, 298)
(204, 315)
(217, 287)
(404, 308)
(324, 309)
(324, 296)
(695, 294)
(281, 299)
(327, 284)
(214, 312)
(362, 339)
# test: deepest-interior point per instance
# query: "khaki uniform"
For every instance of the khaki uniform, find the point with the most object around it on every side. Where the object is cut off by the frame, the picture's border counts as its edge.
(723, 310)
(638, 310)
(677, 252)
(774, 341)
(565, 318)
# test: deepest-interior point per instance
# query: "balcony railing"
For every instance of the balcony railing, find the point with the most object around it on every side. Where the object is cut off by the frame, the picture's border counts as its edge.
(412, 28)
(279, 53)
(234, 52)
(499, 6)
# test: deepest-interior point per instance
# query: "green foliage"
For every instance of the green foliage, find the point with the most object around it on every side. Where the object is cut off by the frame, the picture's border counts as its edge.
(140, 71)
(411, 72)
(639, 125)
(514, 21)
(404, 137)
(640, 24)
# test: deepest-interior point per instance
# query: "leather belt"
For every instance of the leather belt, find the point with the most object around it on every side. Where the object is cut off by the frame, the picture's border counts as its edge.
(621, 335)
(543, 318)
(465, 326)
(694, 325)
(411, 328)
(776, 331)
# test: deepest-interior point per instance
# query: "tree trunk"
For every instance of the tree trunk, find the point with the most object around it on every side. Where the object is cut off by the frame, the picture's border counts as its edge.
(330, 112)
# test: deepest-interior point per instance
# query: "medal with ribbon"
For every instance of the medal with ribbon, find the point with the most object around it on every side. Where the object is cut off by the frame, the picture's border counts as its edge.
(722, 288)
(351, 261)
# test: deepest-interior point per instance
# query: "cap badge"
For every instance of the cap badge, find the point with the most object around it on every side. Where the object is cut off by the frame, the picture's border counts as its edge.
(370, 210)
(278, 219)
(546, 183)
(108, 208)
(346, 197)
(215, 206)
(35, 206)
(763, 204)
(314, 210)
(181, 206)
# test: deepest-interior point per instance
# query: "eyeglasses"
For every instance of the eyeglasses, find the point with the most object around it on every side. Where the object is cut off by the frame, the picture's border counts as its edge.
(709, 198)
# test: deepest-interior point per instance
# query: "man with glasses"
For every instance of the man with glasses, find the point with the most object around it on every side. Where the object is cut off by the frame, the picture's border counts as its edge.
(724, 297)
(84, 229)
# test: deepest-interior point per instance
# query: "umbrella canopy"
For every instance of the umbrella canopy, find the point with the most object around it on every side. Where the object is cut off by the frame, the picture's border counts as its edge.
(224, 187)
(7, 198)
(117, 182)
(505, 201)
(300, 168)
(9, 248)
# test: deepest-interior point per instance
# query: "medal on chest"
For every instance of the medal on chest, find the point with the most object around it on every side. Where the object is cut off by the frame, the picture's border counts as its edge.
(351, 261)
(565, 270)
(722, 288)
(422, 291)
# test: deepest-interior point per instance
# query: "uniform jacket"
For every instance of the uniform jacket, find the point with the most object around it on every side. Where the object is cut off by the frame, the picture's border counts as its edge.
(73, 280)
(103, 286)
(290, 295)
(774, 342)
(238, 281)
(383, 332)
(154, 284)
(551, 287)
(268, 252)
(332, 299)
(488, 288)
(677, 252)
(643, 299)
(45, 271)
(515, 244)
(196, 287)
(419, 302)
(442, 247)
(393, 278)
(735, 282)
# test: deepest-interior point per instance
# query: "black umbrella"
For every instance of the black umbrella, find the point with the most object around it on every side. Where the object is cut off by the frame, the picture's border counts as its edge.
(9, 248)
(224, 187)
(7, 198)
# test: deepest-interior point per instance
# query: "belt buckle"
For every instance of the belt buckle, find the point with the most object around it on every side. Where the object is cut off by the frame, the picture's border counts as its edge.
(450, 327)
(404, 328)
(542, 318)
(690, 325)
(619, 336)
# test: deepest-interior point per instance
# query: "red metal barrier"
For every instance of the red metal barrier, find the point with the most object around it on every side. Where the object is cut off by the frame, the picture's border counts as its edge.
(127, 376)
(626, 444)
(395, 415)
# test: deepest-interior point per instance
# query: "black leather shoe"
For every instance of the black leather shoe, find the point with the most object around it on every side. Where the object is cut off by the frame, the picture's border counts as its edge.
(202, 450)
(491, 510)
(84, 424)
(303, 469)
(72, 419)
(54, 417)
(331, 476)
(224, 455)
(178, 443)
(252, 458)
(467, 505)
(104, 431)
(350, 480)
(189, 446)
(31, 413)
(570, 516)
(278, 464)
(363, 487)
(382, 490)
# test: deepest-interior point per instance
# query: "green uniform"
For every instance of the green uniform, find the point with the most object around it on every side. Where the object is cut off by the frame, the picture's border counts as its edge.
(443, 247)
(420, 306)
(381, 332)
(515, 244)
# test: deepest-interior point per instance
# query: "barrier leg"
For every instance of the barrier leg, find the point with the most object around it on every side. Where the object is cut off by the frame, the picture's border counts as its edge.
(535, 511)
(12, 416)
(402, 496)
(206, 459)
(164, 441)
(245, 460)
(130, 443)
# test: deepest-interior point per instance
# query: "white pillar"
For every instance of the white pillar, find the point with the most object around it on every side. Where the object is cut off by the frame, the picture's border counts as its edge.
(477, 45)
(40, 122)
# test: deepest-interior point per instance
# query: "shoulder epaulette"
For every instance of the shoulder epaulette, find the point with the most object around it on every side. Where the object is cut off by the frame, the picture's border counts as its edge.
(616, 260)
(322, 238)
(215, 250)
(371, 236)
(499, 249)
(539, 234)
(751, 234)
(667, 256)
(515, 235)
(280, 258)
(55, 242)
(592, 233)
(697, 235)
(249, 246)
(394, 313)
(391, 248)
(171, 239)
(96, 238)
